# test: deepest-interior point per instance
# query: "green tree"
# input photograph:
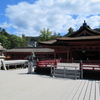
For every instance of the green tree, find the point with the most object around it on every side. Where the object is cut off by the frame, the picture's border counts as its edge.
(24, 40)
(70, 31)
(59, 35)
(16, 41)
(11, 41)
(45, 35)
(3, 32)
(5, 42)
(55, 36)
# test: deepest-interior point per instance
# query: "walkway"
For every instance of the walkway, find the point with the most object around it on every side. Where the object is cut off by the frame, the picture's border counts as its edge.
(17, 85)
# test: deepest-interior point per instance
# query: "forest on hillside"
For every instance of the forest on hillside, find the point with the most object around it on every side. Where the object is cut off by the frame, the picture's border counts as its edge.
(9, 41)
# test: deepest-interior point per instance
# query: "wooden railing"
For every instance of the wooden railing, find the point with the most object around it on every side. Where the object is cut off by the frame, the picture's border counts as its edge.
(47, 63)
(89, 66)
(65, 72)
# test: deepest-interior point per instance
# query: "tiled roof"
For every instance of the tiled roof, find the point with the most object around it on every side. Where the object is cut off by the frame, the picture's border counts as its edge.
(30, 50)
(84, 27)
(72, 39)
(48, 42)
(80, 38)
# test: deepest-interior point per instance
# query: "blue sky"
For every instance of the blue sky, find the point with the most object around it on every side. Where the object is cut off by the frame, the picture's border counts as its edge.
(30, 16)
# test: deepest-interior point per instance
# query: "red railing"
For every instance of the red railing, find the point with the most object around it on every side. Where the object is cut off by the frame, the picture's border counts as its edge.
(47, 63)
(90, 66)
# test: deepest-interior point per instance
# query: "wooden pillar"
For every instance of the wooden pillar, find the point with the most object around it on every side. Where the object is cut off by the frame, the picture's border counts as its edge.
(58, 55)
(67, 56)
(40, 57)
(20, 55)
(47, 56)
(71, 55)
(54, 55)
(99, 55)
(68, 52)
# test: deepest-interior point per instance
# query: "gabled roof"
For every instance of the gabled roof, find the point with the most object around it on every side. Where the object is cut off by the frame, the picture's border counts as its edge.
(84, 30)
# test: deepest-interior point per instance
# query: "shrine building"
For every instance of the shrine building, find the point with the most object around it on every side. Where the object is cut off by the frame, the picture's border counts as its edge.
(22, 53)
(84, 44)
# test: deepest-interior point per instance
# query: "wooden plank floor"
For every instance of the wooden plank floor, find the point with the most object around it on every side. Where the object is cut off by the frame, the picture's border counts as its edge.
(18, 85)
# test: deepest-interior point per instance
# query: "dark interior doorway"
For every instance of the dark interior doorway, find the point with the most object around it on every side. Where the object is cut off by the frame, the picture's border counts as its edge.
(83, 55)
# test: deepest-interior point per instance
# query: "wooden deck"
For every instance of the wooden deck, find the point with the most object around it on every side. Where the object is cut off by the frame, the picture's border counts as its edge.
(18, 85)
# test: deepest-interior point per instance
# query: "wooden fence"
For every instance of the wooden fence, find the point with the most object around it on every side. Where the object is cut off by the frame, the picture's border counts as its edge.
(65, 72)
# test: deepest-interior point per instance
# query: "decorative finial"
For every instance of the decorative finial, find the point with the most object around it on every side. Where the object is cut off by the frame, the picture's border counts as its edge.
(84, 21)
(84, 24)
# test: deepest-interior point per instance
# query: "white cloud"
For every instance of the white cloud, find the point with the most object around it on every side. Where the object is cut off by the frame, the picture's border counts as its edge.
(5, 25)
(95, 0)
(57, 15)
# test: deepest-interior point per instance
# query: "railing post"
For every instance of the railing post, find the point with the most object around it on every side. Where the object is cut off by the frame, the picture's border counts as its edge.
(81, 69)
(88, 60)
(51, 70)
(93, 68)
(80, 64)
(55, 63)
(75, 74)
(37, 63)
(72, 60)
(64, 71)
(54, 71)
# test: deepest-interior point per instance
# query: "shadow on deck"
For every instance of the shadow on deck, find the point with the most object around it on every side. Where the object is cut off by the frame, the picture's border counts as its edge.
(89, 74)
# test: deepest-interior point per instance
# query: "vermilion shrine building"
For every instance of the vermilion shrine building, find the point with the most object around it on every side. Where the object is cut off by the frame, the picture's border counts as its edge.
(23, 53)
(84, 44)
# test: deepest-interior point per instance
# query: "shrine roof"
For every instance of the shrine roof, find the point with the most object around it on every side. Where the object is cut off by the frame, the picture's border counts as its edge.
(85, 33)
(48, 42)
(80, 38)
(30, 50)
(82, 28)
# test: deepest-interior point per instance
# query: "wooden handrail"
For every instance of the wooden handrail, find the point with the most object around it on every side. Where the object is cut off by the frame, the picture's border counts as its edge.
(90, 66)
(46, 63)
